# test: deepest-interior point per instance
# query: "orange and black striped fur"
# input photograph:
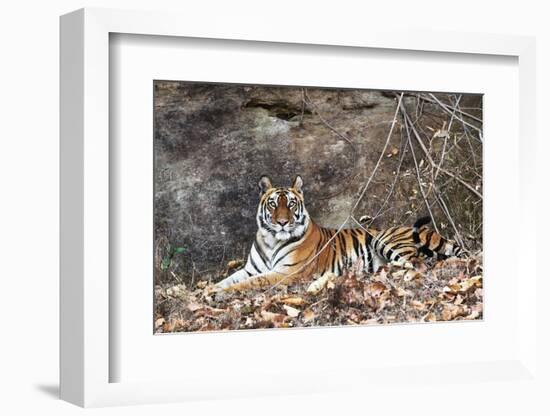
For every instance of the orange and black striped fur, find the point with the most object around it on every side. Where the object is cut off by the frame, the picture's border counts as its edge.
(405, 243)
(289, 246)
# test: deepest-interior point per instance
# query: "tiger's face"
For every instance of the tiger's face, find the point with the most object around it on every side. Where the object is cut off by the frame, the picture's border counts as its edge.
(281, 213)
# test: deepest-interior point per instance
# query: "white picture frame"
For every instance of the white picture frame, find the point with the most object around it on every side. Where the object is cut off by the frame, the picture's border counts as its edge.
(85, 354)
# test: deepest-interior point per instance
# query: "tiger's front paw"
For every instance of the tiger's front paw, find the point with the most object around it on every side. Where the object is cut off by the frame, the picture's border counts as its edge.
(212, 290)
(221, 286)
(228, 282)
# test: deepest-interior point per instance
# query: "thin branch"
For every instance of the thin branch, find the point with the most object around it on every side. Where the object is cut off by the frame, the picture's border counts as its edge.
(445, 209)
(418, 176)
(444, 107)
(445, 137)
(423, 97)
(429, 158)
(401, 157)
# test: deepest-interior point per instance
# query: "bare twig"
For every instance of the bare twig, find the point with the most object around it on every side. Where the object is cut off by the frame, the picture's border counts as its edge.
(445, 137)
(444, 107)
(418, 171)
(442, 157)
(392, 187)
(460, 111)
(445, 209)
(399, 104)
(428, 157)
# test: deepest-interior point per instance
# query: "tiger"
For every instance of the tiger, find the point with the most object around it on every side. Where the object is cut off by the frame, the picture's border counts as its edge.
(289, 246)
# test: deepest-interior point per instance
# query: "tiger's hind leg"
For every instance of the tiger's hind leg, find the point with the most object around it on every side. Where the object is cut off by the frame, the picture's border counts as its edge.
(377, 262)
(403, 263)
(401, 257)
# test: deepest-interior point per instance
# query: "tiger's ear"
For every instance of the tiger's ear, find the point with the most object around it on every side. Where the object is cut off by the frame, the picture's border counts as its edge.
(297, 183)
(264, 184)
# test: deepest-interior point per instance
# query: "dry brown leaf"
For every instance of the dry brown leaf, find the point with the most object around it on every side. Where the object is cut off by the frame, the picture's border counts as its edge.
(381, 276)
(171, 326)
(400, 292)
(398, 274)
(452, 288)
(354, 315)
(469, 283)
(233, 264)
(272, 317)
(446, 314)
(176, 290)
(290, 311)
(416, 304)
(259, 300)
(475, 312)
(458, 299)
(193, 306)
(308, 316)
(429, 317)
(411, 274)
(294, 300)
(201, 284)
(159, 322)
(451, 311)
(473, 315)
(461, 275)
(375, 289)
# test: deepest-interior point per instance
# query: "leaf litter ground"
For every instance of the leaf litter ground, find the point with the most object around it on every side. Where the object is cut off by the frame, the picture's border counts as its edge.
(433, 291)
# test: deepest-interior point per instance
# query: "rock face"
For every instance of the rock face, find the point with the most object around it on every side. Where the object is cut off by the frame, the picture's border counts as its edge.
(213, 142)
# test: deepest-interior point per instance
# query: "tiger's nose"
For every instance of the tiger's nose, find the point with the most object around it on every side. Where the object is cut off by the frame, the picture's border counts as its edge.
(282, 222)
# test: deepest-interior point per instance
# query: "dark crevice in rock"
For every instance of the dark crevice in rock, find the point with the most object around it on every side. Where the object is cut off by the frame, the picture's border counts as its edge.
(280, 109)
(359, 106)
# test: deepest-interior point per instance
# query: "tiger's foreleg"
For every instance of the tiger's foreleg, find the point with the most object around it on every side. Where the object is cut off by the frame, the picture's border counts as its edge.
(255, 265)
(241, 280)
(263, 280)
(237, 277)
